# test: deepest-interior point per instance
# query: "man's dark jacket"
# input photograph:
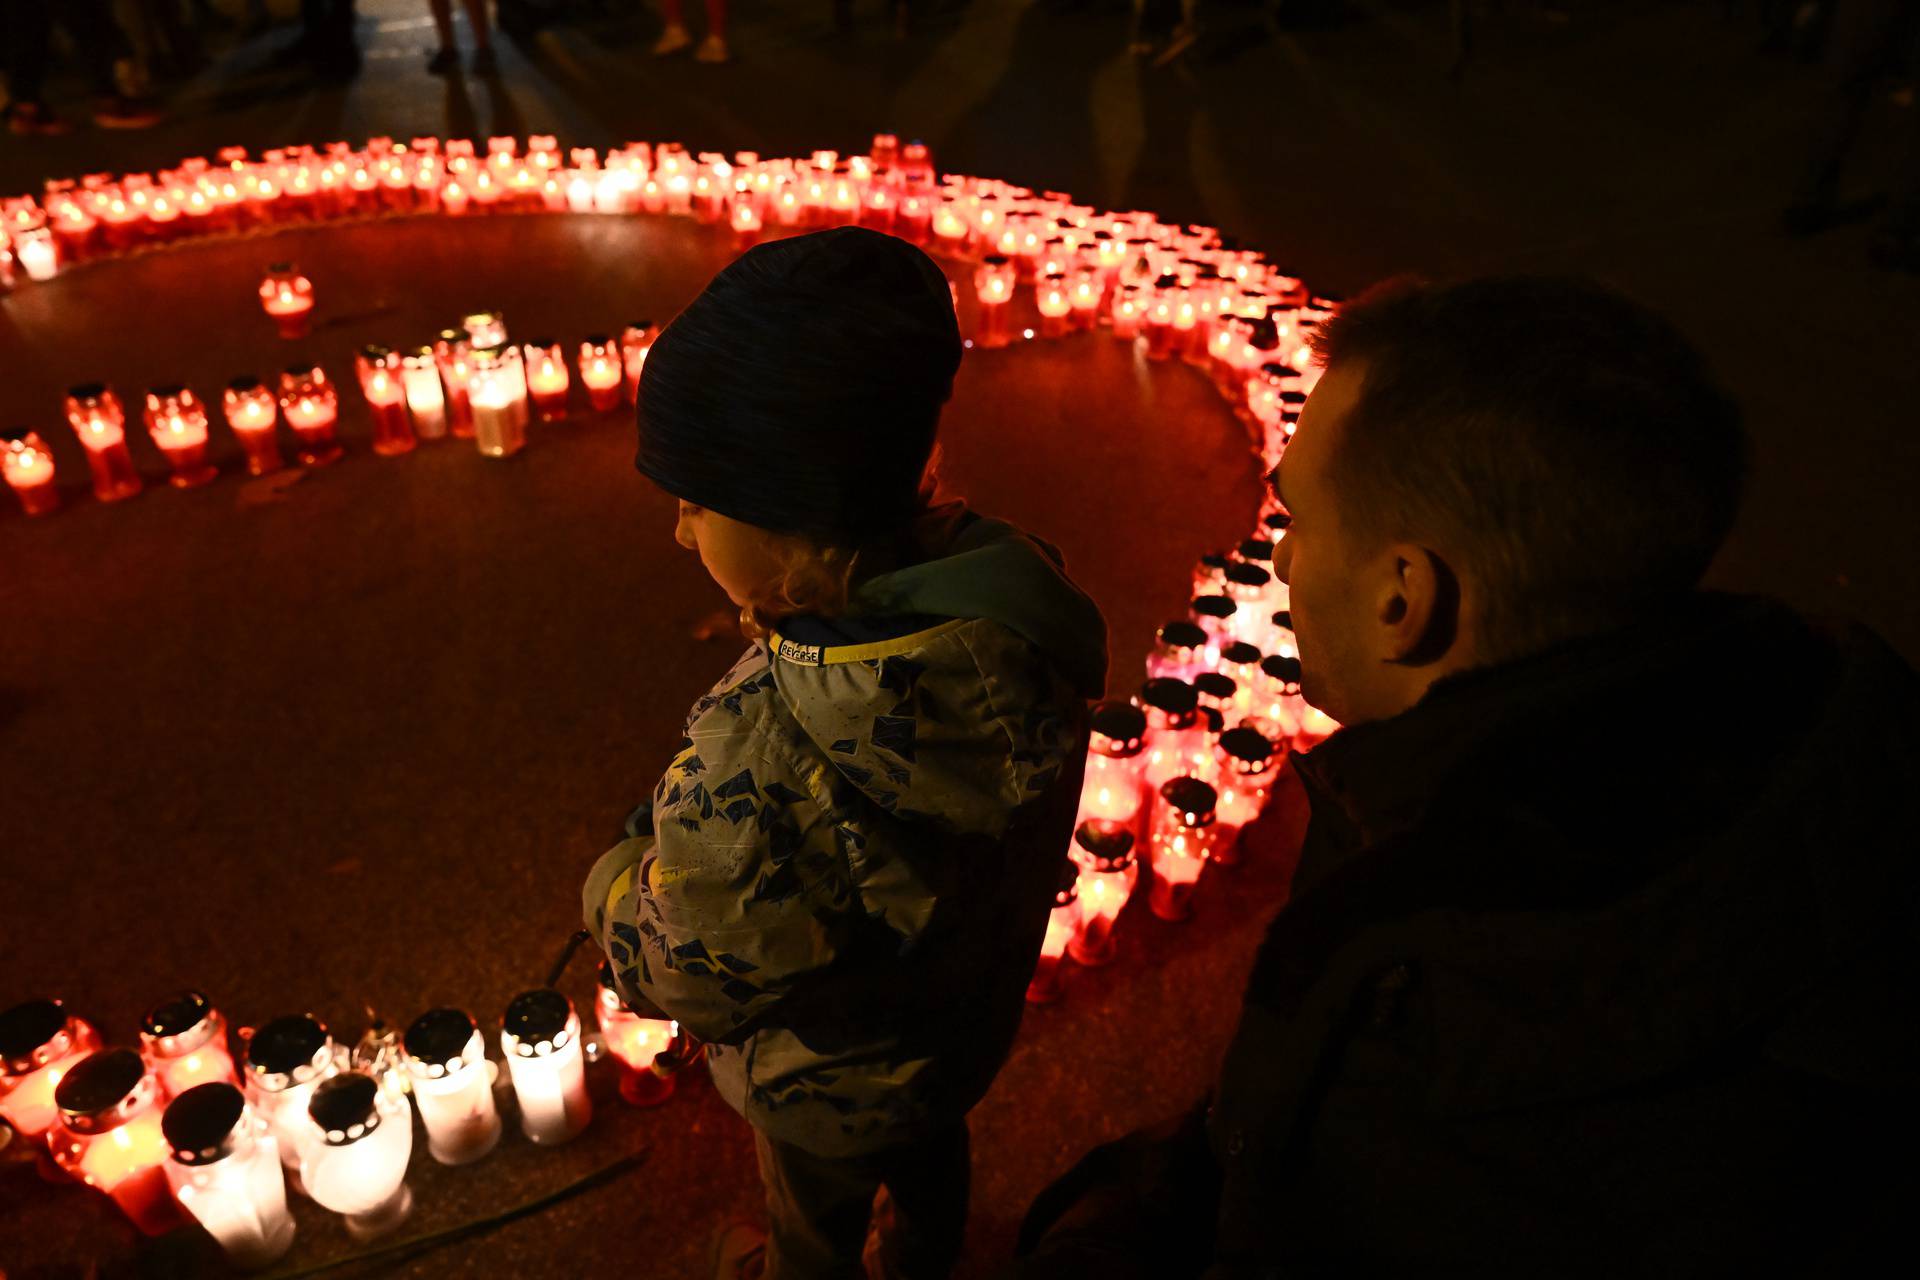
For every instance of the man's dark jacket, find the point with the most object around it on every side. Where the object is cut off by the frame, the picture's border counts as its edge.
(1600, 962)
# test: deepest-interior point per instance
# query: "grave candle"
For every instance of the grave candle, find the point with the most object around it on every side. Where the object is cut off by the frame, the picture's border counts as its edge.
(253, 415)
(1116, 754)
(993, 279)
(1104, 851)
(426, 400)
(184, 1043)
(39, 1043)
(177, 421)
(312, 409)
(540, 1038)
(1062, 923)
(286, 1060)
(1055, 302)
(547, 379)
(379, 371)
(454, 354)
(355, 1162)
(1183, 840)
(601, 372)
(636, 1042)
(225, 1170)
(98, 420)
(37, 253)
(108, 1136)
(453, 1085)
(29, 470)
(496, 390)
(287, 296)
(636, 340)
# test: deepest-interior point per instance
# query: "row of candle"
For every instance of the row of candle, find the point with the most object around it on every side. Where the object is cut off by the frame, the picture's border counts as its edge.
(470, 384)
(182, 1122)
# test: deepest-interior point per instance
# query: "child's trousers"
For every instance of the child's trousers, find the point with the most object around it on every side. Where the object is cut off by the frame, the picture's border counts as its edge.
(819, 1208)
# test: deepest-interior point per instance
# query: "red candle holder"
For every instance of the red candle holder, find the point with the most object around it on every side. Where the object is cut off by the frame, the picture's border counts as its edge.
(1114, 789)
(109, 1136)
(1063, 922)
(453, 350)
(252, 415)
(177, 421)
(1183, 840)
(745, 219)
(1085, 293)
(287, 296)
(312, 409)
(601, 373)
(993, 279)
(183, 1041)
(636, 1043)
(1162, 337)
(1055, 302)
(39, 1043)
(1129, 311)
(636, 340)
(1104, 853)
(95, 414)
(547, 379)
(379, 371)
(29, 470)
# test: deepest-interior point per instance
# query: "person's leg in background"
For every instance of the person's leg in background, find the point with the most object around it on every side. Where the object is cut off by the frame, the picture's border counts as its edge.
(714, 47)
(101, 47)
(922, 1219)
(1864, 34)
(26, 36)
(447, 57)
(674, 36)
(327, 37)
(483, 57)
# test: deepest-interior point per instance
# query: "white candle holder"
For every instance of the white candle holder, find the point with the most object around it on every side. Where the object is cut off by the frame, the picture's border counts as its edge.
(540, 1038)
(452, 1085)
(355, 1162)
(225, 1171)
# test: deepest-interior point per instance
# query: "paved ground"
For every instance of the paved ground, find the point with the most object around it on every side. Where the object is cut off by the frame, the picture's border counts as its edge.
(352, 741)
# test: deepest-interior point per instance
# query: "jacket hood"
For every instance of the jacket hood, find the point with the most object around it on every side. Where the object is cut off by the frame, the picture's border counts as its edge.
(953, 687)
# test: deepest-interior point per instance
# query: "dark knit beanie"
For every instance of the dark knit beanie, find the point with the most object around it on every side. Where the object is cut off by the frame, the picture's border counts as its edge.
(801, 390)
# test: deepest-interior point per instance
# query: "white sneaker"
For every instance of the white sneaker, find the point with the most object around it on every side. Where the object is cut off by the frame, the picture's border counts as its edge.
(712, 49)
(672, 40)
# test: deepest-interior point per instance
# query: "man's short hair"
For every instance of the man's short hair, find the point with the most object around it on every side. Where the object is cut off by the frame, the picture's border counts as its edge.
(1567, 444)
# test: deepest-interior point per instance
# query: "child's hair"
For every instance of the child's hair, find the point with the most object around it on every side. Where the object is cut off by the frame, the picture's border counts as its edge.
(818, 577)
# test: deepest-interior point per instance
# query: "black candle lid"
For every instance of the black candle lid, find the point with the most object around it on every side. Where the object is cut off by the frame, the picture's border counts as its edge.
(1212, 720)
(1246, 745)
(1214, 606)
(1192, 797)
(376, 351)
(169, 390)
(100, 1089)
(346, 1107)
(995, 260)
(1293, 401)
(1173, 696)
(1122, 722)
(1182, 634)
(1213, 560)
(1217, 685)
(1283, 618)
(176, 1014)
(641, 324)
(199, 1124)
(598, 339)
(87, 390)
(1240, 573)
(538, 1020)
(1282, 668)
(1256, 550)
(439, 1037)
(286, 1051)
(1240, 653)
(1108, 844)
(27, 1035)
(1278, 521)
(246, 382)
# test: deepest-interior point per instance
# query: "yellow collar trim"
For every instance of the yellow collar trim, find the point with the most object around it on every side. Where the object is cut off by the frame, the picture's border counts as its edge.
(814, 655)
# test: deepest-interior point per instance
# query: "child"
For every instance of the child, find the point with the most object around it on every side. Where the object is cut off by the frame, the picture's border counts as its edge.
(844, 878)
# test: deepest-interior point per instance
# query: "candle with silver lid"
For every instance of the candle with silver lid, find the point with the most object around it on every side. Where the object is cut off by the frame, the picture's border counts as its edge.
(184, 1040)
(39, 1043)
(355, 1159)
(225, 1171)
(108, 1136)
(453, 1085)
(540, 1038)
(497, 395)
(286, 1060)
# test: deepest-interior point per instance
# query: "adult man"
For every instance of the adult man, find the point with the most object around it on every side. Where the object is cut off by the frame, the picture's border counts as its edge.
(1596, 959)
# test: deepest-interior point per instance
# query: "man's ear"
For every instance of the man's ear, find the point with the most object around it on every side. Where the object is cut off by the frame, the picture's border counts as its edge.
(1418, 610)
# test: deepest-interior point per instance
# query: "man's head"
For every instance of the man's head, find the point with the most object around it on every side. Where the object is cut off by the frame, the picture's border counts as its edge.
(1487, 469)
